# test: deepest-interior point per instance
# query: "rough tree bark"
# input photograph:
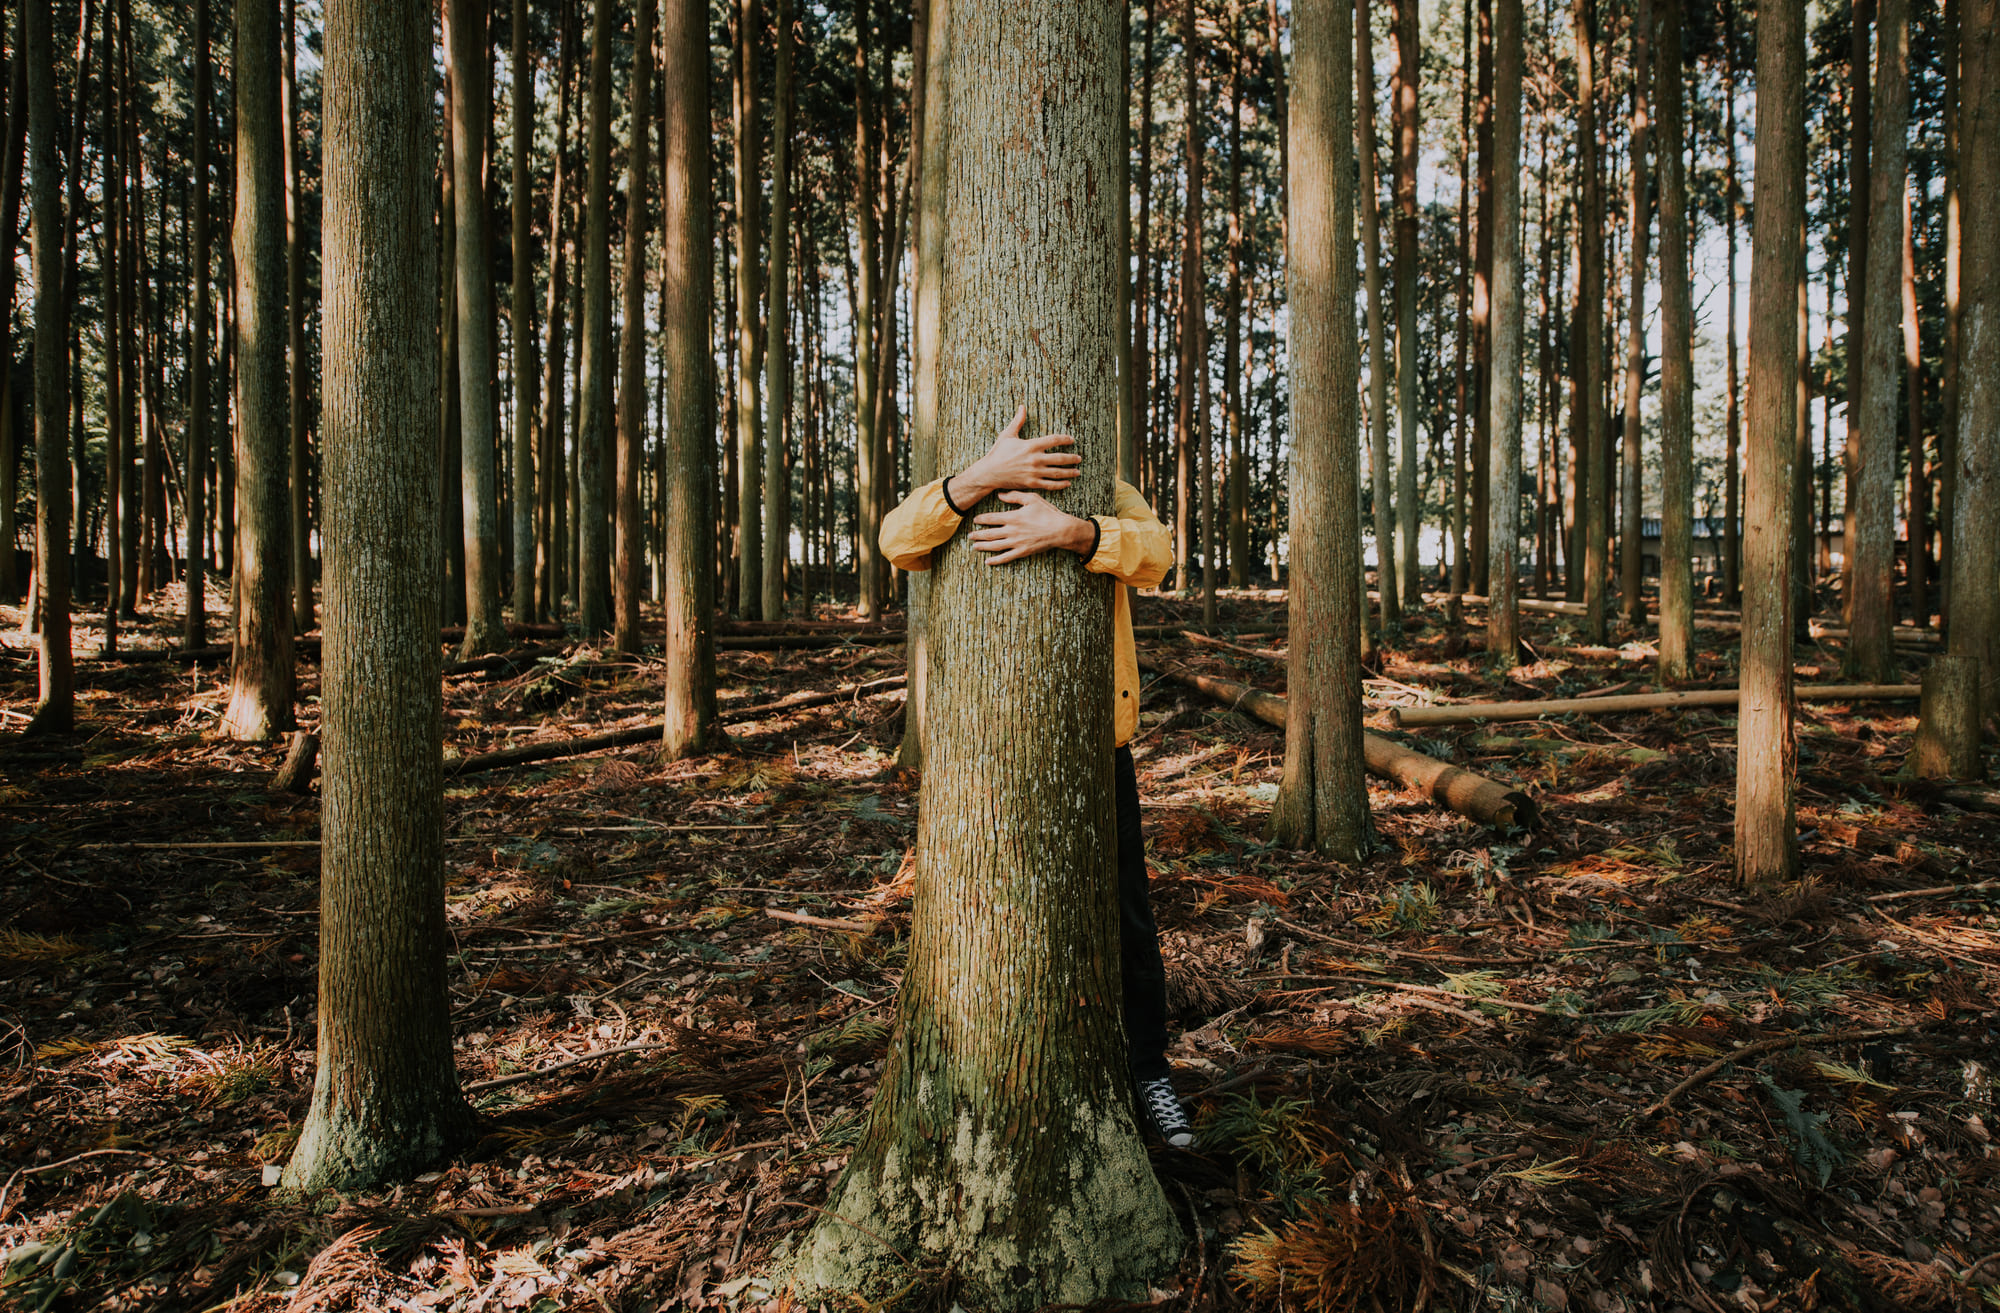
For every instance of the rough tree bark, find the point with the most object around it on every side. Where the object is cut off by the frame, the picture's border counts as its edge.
(194, 631)
(1975, 580)
(55, 709)
(521, 319)
(1592, 514)
(687, 253)
(261, 675)
(1676, 366)
(1378, 341)
(924, 325)
(628, 572)
(385, 1098)
(749, 289)
(1871, 543)
(1000, 1146)
(1409, 73)
(593, 402)
(1632, 573)
(1323, 802)
(777, 348)
(295, 339)
(1766, 754)
(1503, 634)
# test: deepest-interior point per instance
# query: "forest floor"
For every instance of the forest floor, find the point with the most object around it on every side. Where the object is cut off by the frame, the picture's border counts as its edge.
(1478, 1071)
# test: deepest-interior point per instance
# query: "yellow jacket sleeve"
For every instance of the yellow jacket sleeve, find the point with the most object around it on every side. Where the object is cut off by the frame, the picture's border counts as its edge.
(1133, 547)
(921, 523)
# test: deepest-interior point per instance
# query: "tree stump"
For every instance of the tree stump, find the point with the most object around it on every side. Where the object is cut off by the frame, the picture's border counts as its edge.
(301, 755)
(1947, 744)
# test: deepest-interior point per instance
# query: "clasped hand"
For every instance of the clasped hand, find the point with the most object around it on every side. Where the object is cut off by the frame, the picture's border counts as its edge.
(1013, 468)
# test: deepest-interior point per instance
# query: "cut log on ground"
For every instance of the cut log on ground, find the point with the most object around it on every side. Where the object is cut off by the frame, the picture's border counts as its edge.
(1483, 800)
(1468, 713)
(625, 737)
(789, 642)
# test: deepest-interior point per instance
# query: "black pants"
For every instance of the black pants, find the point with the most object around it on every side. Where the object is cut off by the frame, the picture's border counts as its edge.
(1140, 968)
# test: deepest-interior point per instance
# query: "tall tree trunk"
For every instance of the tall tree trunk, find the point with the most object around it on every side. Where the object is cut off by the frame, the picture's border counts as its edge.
(1323, 802)
(1975, 596)
(1871, 543)
(55, 709)
(1732, 206)
(1503, 633)
(1142, 281)
(295, 337)
(479, 414)
(1594, 494)
(1631, 562)
(777, 346)
(117, 454)
(1007, 1025)
(1188, 418)
(1676, 366)
(194, 631)
(593, 406)
(1232, 351)
(1455, 527)
(1860, 202)
(385, 1101)
(261, 675)
(1766, 771)
(521, 319)
(868, 564)
(551, 582)
(1918, 515)
(687, 250)
(934, 27)
(1948, 380)
(11, 162)
(1378, 338)
(1479, 547)
(631, 462)
(1409, 60)
(749, 288)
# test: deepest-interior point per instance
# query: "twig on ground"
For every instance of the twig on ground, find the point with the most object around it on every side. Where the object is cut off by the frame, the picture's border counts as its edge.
(1771, 1045)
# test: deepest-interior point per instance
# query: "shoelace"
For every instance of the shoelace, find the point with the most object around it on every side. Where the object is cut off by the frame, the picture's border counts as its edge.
(1164, 1108)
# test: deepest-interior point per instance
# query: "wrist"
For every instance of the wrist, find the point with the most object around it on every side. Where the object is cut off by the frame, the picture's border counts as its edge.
(1085, 536)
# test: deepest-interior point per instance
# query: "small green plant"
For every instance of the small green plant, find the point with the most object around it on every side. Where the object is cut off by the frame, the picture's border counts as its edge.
(1406, 909)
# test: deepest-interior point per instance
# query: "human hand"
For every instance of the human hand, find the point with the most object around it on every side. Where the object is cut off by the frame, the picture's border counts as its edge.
(1018, 463)
(1033, 529)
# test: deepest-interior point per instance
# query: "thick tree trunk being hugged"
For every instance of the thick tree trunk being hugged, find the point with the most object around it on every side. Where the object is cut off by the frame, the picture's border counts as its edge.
(1001, 1146)
(385, 1099)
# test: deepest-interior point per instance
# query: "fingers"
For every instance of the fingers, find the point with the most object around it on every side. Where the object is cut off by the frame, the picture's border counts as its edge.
(1017, 498)
(1048, 440)
(1015, 425)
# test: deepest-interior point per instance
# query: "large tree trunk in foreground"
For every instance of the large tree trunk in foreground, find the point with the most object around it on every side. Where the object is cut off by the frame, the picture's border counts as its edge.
(1871, 544)
(1503, 391)
(261, 677)
(1323, 803)
(1766, 761)
(478, 392)
(687, 253)
(1001, 1146)
(385, 1099)
(55, 710)
(1676, 367)
(593, 403)
(631, 458)
(1975, 543)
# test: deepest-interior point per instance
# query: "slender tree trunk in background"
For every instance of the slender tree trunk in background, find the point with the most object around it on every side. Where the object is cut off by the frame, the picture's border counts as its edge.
(194, 631)
(867, 555)
(521, 319)
(117, 457)
(593, 420)
(749, 290)
(687, 252)
(934, 27)
(1948, 380)
(1187, 419)
(385, 1102)
(1408, 75)
(1732, 207)
(777, 347)
(1128, 451)
(1872, 541)
(1975, 597)
(1455, 526)
(451, 537)
(1632, 568)
(627, 575)
(1503, 633)
(1803, 589)
(1014, 1038)
(1232, 353)
(1479, 546)
(1142, 297)
(1860, 200)
(1918, 515)
(1378, 338)
(55, 709)
(550, 577)
(1676, 366)
(11, 161)
(261, 675)
(1594, 495)
(295, 337)
(1766, 773)
(1323, 802)
(478, 404)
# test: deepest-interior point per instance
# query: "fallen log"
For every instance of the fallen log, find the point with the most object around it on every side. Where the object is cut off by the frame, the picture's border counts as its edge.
(554, 749)
(1466, 713)
(1483, 800)
(784, 642)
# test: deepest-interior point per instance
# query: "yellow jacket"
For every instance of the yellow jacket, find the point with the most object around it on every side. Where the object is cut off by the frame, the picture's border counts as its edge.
(1133, 547)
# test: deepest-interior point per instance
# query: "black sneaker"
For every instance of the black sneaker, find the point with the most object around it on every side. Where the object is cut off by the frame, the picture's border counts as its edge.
(1162, 1109)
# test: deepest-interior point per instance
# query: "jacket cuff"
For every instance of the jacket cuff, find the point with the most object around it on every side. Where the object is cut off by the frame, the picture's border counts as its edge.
(1103, 558)
(944, 486)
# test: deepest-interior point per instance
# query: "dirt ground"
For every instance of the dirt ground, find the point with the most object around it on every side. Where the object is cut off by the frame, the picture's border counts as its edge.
(1481, 1071)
